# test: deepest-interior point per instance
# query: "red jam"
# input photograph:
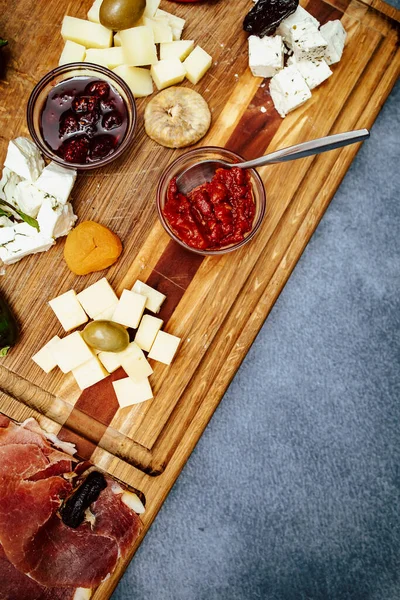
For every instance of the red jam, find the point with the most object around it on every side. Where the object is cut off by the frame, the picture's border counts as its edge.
(215, 214)
(83, 120)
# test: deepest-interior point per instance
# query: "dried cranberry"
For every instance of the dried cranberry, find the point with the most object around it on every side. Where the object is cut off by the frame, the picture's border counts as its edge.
(101, 146)
(112, 120)
(89, 118)
(85, 104)
(101, 89)
(75, 150)
(107, 105)
(68, 124)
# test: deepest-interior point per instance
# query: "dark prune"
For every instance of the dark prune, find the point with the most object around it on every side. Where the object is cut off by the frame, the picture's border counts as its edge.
(75, 150)
(101, 146)
(73, 510)
(68, 124)
(101, 89)
(85, 104)
(112, 120)
(265, 16)
(89, 118)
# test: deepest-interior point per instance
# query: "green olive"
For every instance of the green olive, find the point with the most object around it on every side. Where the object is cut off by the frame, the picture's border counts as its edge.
(121, 14)
(106, 336)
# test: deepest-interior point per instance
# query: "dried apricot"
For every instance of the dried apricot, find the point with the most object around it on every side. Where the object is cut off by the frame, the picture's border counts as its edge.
(91, 247)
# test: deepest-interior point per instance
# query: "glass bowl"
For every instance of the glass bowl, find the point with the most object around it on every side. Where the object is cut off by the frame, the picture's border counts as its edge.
(42, 89)
(192, 157)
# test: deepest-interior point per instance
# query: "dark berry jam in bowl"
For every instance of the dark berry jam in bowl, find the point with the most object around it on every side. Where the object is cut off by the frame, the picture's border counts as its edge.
(82, 115)
(202, 224)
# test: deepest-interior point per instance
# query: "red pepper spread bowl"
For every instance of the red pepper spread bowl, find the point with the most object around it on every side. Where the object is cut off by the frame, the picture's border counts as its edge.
(82, 115)
(218, 216)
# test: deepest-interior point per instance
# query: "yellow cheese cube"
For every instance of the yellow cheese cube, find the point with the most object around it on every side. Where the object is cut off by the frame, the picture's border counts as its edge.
(68, 310)
(45, 357)
(138, 46)
(107, 57)
(179, 49)
(89, 373)
(134, 502)
(71, 352)
(90, 35)
(129, 392)
(113, 360)
(117, 39)
(176, 23)
(167, 72)
(97, 298)
(107, 314)
(147, 332)
(197, 64)
(94, 12)
(136, 367)
(164, 347)
(83, 594)
(154, 298)
(129, 309)
(151, 7)
(161, 30)
(139, 80)
(72, 52)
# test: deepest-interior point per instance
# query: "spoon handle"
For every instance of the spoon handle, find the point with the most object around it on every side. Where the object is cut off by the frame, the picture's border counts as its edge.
(317, 146)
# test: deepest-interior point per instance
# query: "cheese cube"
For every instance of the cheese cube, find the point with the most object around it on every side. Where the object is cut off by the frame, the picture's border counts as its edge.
(147, 332)
(57, 181)
(94, 11)
(113, 360)
(176, 23)
(161, 30)
(72, 52)
(117, 39)
(86, 33)
(129, 309)
(107, 57)
(68, 310)
(164, 347)
(107, 314)
(179, 49)
(151, 7)
(136, 367)
(154, 298)
(288, 90)
(138, 46)
(335, 35)
(307, 42)
(265, 55)
(89, 373)
(55, 220)
(129, 392)
(24, 158)
(168, 72)
(293, 21)
(8, 185)
(45, 357)
(197, 64)
(28, 198)
(139, 80)
(313, 71)
(133, 502)
(71, 352)
(82, 594)
(97, 298)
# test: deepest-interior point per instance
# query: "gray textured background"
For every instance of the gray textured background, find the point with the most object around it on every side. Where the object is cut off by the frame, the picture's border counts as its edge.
(293, 492)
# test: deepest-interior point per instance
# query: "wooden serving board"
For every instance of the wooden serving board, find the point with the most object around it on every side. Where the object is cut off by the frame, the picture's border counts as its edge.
(216, 304)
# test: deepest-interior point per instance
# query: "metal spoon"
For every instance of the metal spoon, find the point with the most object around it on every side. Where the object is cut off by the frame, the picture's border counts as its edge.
(204, 171)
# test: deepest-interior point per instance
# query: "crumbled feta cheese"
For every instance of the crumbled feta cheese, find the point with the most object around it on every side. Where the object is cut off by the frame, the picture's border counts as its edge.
(335, 35)
(7, 234)
(8, 184)
(6, 222)
(288, 90)
(24, 158)
(265, 55)
(307, 42)
(55, 219)
(28, 198)
(57, 181)
(293, 21)
(23, 245)
(313, 71)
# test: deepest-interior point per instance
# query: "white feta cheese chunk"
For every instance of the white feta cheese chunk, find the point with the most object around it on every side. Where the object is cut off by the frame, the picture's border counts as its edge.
(55, 220)
(6, 222)
(313, 71)
(288, 90)
(57, 181)
(8, 185)
(307, 42)
(293, 21)
(335, 35)
(28, 198)
(7, 234)
(24, 158)
(265, 55)
(24, 244)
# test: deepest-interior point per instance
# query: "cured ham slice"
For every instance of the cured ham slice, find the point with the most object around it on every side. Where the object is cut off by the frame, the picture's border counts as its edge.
(21, 461)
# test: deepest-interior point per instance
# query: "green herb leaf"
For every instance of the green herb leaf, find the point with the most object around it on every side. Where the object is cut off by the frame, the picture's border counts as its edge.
(30, 220)
(3, 42)
(3, 351)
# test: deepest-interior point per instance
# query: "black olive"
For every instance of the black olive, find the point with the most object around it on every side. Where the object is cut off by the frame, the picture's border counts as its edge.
(73, 510)
(265, 16)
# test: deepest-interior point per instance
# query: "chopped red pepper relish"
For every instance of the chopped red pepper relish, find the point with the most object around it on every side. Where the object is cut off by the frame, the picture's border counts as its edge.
(215, 214)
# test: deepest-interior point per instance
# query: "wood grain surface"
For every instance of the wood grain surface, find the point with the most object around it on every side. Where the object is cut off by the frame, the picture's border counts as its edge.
(216, 304)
